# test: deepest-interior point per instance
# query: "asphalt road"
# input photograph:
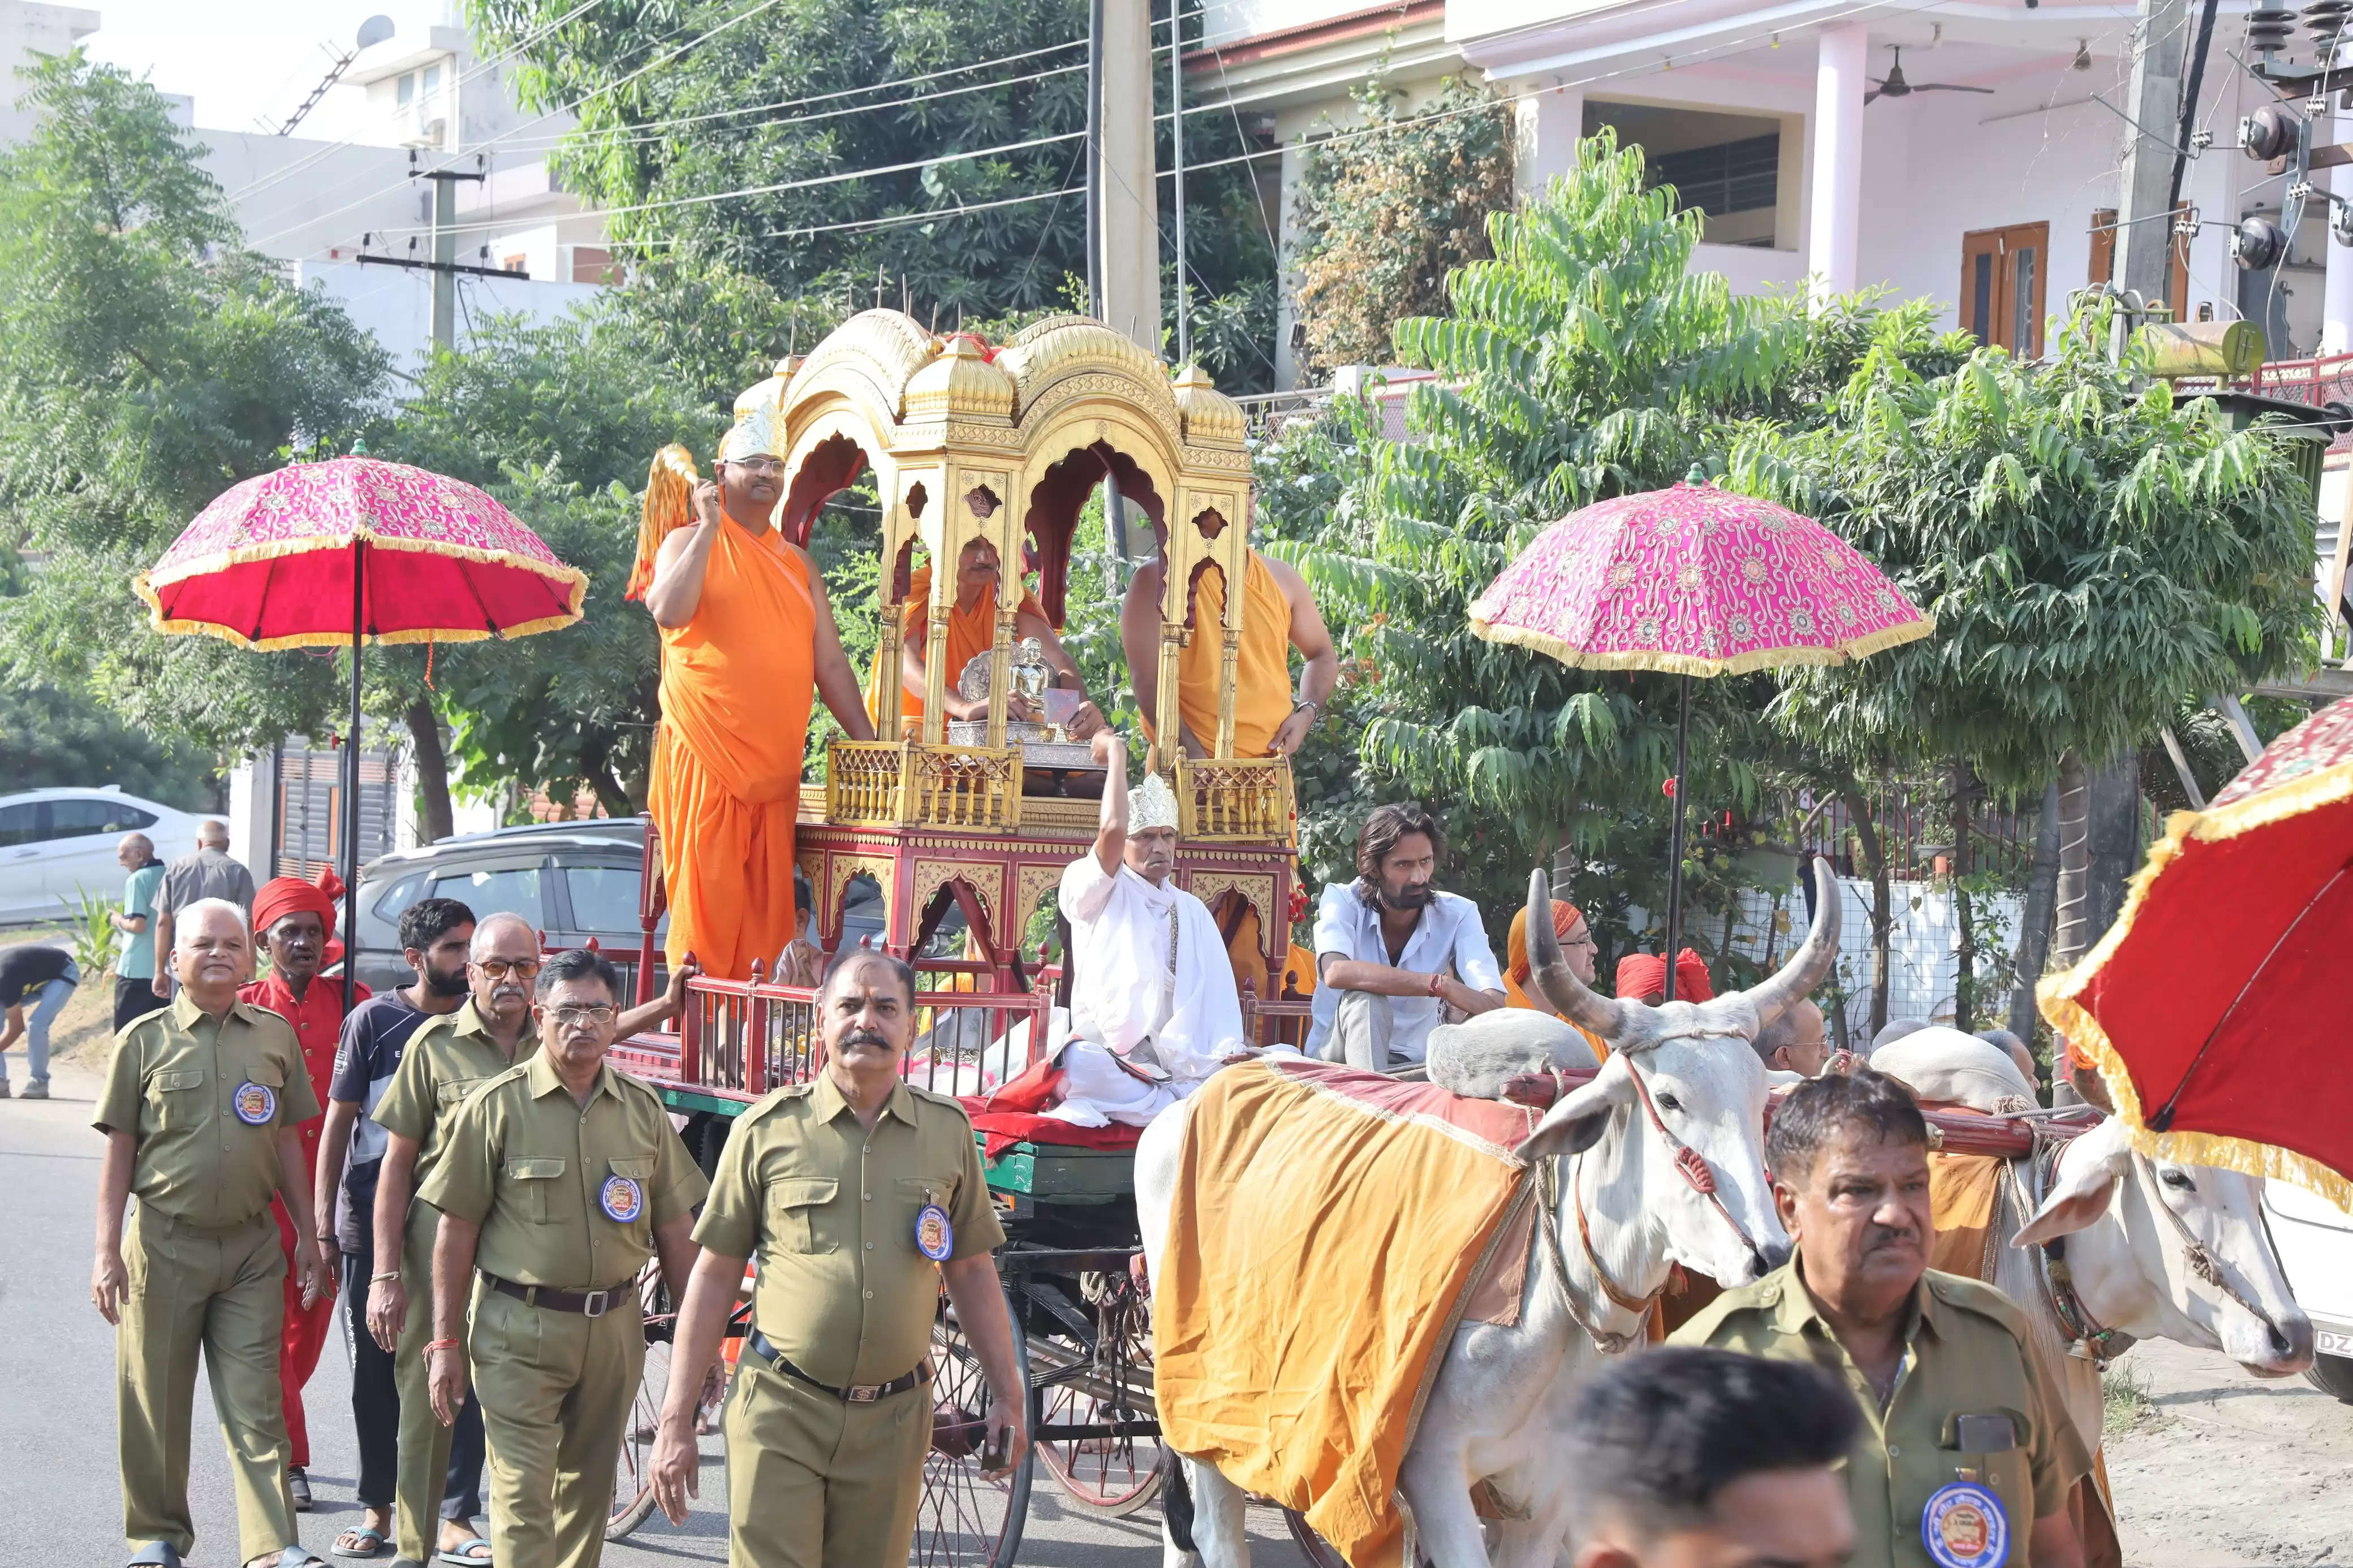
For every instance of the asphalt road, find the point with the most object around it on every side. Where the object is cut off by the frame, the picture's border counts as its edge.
(59, 1488)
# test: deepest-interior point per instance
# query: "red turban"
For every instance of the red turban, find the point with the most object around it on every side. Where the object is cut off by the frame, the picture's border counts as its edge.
(284, 896)
(1641, 974)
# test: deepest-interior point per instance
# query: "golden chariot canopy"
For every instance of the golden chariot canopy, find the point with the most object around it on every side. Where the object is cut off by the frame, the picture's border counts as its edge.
(969, 441)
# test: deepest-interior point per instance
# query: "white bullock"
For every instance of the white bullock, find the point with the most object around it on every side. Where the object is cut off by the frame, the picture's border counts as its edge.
(1671, 1171)
(2144, 1249)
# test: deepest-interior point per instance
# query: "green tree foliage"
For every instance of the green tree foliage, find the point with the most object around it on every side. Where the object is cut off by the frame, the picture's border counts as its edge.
(1383, 217)
(50, 738)
(683, 105)
(1583, 360)
(147, 363)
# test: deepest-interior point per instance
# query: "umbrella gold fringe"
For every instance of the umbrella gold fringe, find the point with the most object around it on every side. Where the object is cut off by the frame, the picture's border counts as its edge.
(2058, 995)
(1693, 664)
(148, 587)
(343, 639)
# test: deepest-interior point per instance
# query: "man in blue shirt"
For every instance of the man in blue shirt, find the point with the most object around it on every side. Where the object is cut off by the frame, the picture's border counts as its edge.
(134, 928)
(1393, 954)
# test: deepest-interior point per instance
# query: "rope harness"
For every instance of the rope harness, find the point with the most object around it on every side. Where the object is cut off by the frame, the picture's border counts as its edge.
(1688, 1162)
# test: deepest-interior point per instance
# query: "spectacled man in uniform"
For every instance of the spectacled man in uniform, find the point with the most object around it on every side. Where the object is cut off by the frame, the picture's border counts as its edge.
(558, 1179)
(849, 1189)
(199, 1110)
(1963, 1458)
(1700, 1458)
(449, 1056)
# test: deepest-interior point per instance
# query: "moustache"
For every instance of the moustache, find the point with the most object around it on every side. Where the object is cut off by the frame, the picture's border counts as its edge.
(874, 1037)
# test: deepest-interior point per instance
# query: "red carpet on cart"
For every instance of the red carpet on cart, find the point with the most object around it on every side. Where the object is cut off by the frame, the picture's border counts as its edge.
(1010, 1115)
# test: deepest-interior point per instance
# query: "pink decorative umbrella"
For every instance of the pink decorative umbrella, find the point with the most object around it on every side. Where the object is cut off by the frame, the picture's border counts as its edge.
(1693, 580)
(320, 555)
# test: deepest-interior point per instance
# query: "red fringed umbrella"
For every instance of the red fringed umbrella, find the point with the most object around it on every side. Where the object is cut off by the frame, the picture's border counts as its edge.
(352, 550)
(2214, 1007)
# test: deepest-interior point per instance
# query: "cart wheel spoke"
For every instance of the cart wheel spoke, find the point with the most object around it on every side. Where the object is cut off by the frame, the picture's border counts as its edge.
(964, 1519)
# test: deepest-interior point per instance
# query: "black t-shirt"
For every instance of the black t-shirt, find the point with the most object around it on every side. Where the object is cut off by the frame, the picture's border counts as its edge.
(373, 1037)
(24, 969)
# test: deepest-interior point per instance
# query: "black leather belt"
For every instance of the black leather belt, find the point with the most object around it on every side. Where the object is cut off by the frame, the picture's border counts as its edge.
(858, 1394)
(588, 1303)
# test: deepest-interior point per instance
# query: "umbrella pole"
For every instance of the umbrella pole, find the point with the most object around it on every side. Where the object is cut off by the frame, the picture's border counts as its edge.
(1676, 840)
(352, 783)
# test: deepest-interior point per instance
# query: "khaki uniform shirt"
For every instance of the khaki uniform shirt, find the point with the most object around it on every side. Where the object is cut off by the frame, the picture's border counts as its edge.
(447, 1059)
(206, 1097)
(1965, 1353)
(567, 1194)
(829, 1211)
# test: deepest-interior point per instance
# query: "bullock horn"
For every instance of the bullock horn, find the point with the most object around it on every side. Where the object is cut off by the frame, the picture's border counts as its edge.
(1810, 964)
(1550, 973)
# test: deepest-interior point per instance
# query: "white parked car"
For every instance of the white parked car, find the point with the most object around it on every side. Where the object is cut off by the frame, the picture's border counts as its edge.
(58, 844)
(2315, 1238)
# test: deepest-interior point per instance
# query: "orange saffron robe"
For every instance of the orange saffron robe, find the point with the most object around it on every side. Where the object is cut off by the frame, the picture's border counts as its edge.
(736, 684)
(1262, 663)
(970, 633)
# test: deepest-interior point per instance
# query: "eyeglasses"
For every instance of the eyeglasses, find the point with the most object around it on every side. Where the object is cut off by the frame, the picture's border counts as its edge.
(593, 1013)
(499, 968)
(1585, 941)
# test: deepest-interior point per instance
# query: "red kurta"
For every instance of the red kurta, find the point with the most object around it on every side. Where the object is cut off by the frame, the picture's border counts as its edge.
(318, 1020)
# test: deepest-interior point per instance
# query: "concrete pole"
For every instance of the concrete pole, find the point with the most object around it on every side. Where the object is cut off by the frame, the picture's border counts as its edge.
(1131, 213)
(2337, 293)
(1841, 78)
(1545, 126)
(444, 257)
(2144, 229)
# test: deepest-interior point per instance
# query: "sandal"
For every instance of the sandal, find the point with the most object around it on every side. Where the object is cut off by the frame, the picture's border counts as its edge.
(299, 1556)
(370, 1540)
(298, 1483)
(463, 1553)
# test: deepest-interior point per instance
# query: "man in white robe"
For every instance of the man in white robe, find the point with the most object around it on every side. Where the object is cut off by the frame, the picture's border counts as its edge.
(1153, 1007)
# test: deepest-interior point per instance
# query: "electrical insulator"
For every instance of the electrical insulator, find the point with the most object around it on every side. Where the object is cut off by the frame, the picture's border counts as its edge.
(2340, 223)
(2269, 132)
(2258, 244)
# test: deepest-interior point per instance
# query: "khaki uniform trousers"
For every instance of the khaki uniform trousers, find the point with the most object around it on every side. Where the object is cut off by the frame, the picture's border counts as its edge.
(816, 1482)
(218, 1292)
(421, 1472)
(555, 1388)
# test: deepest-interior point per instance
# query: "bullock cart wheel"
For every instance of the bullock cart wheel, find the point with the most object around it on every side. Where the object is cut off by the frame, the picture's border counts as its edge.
(1313, 1547)
(1091, 1409)
(966, 1518)
(633, 1491)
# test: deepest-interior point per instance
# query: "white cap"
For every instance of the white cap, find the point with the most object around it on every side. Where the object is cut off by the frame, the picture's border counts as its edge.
(1151, 804)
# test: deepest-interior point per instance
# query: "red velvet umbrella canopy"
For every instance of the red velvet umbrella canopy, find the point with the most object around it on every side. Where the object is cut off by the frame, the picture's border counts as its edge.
(351, 550)
(2214, 1007)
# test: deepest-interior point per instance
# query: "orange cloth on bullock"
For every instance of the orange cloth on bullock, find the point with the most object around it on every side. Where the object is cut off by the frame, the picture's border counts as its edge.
(736, 684)
(1261, 662)
(971, 633)
(1293, 1342)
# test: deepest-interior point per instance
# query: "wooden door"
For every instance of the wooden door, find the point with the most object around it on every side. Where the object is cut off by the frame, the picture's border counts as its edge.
(2005, 278)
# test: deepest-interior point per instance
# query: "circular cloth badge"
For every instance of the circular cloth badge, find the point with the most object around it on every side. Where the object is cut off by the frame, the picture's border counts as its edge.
(934, 1236)
(621, 1199)
(255, 1103)
(1964, 1526)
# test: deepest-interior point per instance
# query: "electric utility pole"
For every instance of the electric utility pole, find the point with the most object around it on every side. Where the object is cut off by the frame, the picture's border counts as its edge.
(444, 268)
(2144, 217)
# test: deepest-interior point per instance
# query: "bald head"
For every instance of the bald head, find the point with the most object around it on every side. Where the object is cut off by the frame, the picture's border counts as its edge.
(212, 836)
(133, 850)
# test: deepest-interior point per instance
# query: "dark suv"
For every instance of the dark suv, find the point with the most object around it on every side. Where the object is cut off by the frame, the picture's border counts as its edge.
(571, 881)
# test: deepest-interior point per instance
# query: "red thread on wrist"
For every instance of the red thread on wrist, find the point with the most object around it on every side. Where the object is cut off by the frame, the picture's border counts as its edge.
(440, 1345)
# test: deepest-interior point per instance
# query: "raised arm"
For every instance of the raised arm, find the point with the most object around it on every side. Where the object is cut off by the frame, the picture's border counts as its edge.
(1110, 749)
(837, 683)
(676, 591)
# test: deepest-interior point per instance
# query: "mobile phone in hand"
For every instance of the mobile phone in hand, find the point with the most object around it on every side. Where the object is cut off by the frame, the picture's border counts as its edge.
(997, 1452)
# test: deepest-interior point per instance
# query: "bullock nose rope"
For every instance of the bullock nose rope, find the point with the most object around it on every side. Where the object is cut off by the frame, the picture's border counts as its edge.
(1696, 1173)
(2199, 1257)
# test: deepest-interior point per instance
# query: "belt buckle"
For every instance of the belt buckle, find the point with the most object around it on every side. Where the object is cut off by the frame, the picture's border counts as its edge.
(865, 1393)
(595, 1303)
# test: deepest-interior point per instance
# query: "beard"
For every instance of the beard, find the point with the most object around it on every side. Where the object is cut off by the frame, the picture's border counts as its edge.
(440, 985)
(1408, 898)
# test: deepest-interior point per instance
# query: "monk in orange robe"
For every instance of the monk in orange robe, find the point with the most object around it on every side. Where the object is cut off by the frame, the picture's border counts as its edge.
(1278, 614)
(748, 640)
(972, 626)
(1577, 945)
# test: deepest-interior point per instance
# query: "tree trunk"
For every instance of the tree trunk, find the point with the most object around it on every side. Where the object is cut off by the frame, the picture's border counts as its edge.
(1883, 919)
(434, 816)
(596, 764)
(2071, 925)
(2034, 922)
(2117, 839)
(1966, 955)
